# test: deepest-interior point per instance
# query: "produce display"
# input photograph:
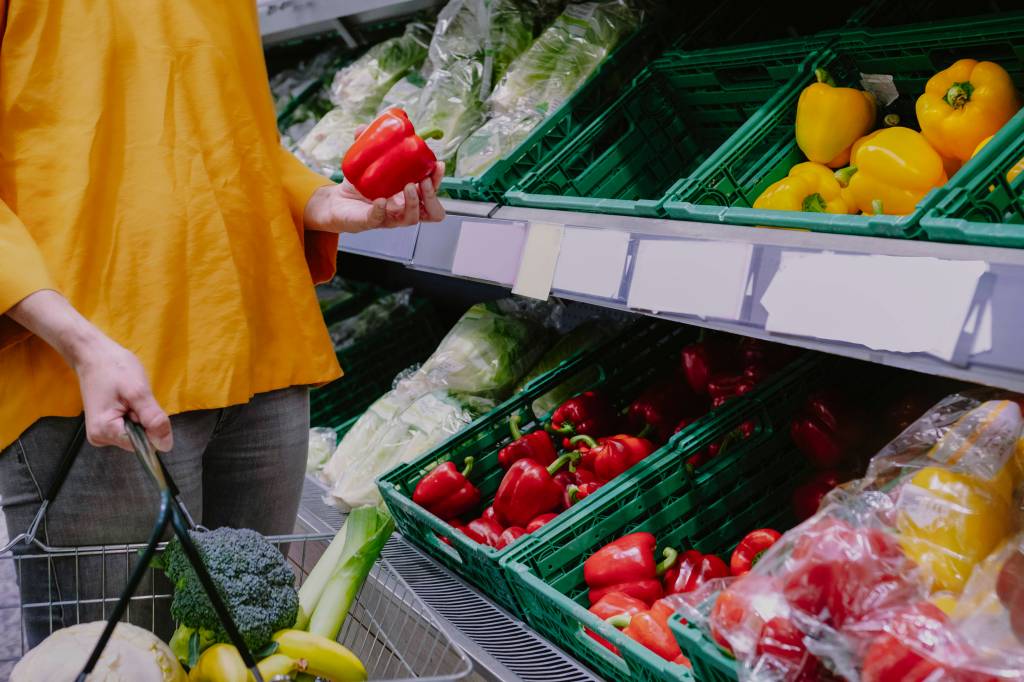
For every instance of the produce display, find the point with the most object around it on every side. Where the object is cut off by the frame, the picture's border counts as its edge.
(889, 170)
(907, 573)
(589, 441)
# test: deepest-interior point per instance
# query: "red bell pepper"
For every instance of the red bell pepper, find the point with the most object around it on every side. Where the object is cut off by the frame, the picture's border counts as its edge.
(610, 606)
(457, 525)
(748, 552)
(588, 414)
(692, 570)
(650, 629)
(763, 357)
(808, 495)
(783, 643)
(388, 155)
(536, 446)
(608, 457)
(656, 412)
(446, 492)
(540, 521)
(484, 531)
(528, 490)
(583, 475)
(575, 493)
(489, 514)
(724, 387)
(627, 565)
(902, 651)
(509, 535)
(705, 358)
(828, 431)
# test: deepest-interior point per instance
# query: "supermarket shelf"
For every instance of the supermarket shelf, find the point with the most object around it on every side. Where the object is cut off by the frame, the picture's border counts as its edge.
(503, 648)
(432, 247)
(288, 19)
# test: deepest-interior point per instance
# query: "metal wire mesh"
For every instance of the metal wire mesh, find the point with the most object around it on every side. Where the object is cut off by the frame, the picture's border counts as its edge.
(391, 631)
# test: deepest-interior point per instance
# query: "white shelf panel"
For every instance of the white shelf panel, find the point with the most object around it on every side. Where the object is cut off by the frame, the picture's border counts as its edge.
(286, 19)
(998, 295)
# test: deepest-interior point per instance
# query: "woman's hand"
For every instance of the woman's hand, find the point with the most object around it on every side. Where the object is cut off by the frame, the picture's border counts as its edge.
(341, 208)
(112, 380)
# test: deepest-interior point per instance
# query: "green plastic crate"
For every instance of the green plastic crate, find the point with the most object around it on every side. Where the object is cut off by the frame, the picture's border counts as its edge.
(747, 487)
(725, 187)
(362, 295)
(680, 109)
(371, 364)
(981, 205)
(710, 663)
(621, 368)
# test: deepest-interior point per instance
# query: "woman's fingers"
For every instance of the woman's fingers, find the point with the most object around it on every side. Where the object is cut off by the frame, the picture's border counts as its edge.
(431, 209)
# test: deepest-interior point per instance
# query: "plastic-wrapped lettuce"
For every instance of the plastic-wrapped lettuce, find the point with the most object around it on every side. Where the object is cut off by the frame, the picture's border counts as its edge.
(426, 423)
(404, 94)
(357, 91)
(370, 319)
(544, 76)
(486, 352)
(477, 29)
(450, 102)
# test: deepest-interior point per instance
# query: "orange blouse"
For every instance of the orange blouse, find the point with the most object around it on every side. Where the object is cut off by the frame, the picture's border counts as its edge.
(141, 176)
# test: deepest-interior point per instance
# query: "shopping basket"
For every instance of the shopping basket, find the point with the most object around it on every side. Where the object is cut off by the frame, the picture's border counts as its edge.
(393, 633)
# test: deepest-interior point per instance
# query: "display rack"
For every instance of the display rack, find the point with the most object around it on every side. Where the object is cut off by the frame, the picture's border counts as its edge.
(977, 355)
(288, 19)
(501, 646)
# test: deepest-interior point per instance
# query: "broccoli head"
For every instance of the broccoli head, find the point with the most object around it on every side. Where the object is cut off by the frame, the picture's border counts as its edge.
(252, 577)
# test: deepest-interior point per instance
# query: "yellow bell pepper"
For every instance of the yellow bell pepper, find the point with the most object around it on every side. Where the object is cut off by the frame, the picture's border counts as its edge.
(949, 521)
(830, 119)
(964, 104)
(892, 169)
(809, 187)
(1010, 174)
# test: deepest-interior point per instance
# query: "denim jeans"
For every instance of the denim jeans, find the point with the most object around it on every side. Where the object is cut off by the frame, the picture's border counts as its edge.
(240, 466)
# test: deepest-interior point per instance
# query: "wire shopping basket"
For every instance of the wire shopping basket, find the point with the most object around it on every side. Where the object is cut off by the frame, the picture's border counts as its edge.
(393, 633)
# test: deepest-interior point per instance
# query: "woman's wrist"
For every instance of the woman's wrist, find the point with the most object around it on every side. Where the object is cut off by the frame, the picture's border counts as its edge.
(50, 316)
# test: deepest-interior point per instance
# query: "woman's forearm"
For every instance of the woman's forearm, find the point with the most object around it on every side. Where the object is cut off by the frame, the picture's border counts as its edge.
(50, 316)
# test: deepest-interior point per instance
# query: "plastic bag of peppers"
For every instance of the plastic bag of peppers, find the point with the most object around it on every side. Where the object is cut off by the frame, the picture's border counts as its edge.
(588, 441)
(909, 573)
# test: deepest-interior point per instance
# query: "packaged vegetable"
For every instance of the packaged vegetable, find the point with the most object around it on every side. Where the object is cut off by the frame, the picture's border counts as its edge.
(322, 442)
(370, 319)
(490, 32)
(964, 104)
(451, 102)
(404, 94)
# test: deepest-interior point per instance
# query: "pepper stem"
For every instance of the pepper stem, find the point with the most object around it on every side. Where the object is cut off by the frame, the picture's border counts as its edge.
(670, 559)
(565, 429)
(891, 120)
(843, 175)
(646, 431)
(513, 426)
(573, 493)
(876, 206)
(585, 439)
(825, 77)
(431, 134)
(468, 465)
(560, 462)
(959, 94)
(619, 621)
(813, 203)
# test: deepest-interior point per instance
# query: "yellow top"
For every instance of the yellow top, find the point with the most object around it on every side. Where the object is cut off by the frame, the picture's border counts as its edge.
(141, 176)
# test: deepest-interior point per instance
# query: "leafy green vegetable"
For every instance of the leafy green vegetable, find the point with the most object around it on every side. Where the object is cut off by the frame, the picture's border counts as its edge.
(252, 577)
(373, 317)
(364, 534)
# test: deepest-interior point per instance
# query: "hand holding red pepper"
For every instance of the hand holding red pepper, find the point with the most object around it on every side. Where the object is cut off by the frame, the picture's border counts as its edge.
(536, 446)
(447, 493)
(344, 208)
(627, 565)
(588, 414)
(388, 155)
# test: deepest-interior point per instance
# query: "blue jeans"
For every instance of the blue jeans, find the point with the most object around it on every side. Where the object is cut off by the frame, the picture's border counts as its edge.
(240, 466)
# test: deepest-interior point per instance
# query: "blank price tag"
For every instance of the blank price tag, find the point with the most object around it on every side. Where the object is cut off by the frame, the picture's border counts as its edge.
(591, 261)
(707, 279)
(540, 255)
(892, 303)
(489, 250)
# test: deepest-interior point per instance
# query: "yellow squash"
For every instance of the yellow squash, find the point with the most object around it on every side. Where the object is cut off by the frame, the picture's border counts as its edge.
(892, 169)
(809, 187)
(1010, 174)
(964, 104)
(830, 119)
(949, 521)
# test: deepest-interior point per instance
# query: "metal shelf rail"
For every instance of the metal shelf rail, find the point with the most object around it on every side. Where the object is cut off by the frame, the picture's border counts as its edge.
(502, 647)
(986, 348)
(288, 19)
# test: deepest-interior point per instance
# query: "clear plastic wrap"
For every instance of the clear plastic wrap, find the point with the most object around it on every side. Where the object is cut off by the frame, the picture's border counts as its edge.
(404, 94)
(480, 359)
(864, 588)
(374, 317)
(450, 102)
(544, 76)
(490, 32)
(322, 442)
